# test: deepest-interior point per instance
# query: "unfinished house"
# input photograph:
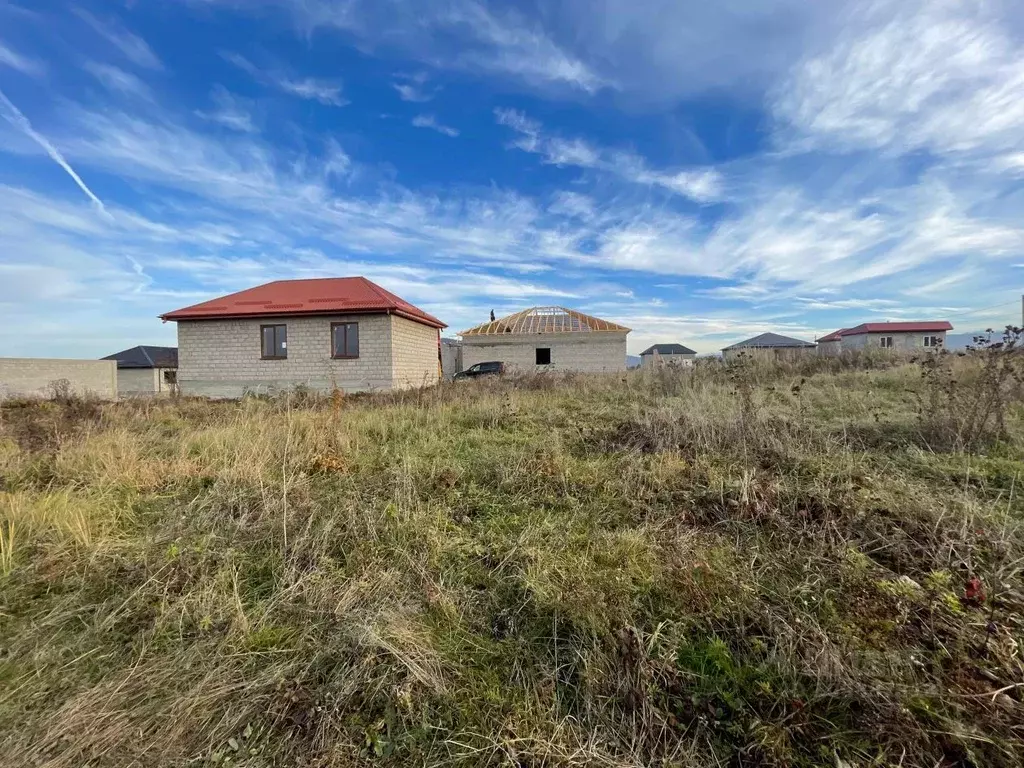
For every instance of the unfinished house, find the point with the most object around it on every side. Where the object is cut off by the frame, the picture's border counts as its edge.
(902, 336)
(343, 333)
(146, 370)
(660, 355)
(547, 339)
(768, 345)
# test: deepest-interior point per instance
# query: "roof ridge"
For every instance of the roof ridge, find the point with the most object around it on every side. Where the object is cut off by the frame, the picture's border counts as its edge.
(145, 353)
(383, 293)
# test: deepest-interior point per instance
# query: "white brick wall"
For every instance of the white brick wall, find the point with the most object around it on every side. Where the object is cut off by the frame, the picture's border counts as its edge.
(414, 353)
(222, 358)
(586, 352)
(32, 376)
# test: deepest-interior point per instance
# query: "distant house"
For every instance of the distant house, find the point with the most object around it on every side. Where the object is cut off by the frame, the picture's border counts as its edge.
(929, 334)
(343, 332)
(667, 354)
(547, 339)
(831, 345)
(772, 344)
(146, 370)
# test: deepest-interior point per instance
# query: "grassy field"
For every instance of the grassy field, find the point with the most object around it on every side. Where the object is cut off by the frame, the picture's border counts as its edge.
(756, 567)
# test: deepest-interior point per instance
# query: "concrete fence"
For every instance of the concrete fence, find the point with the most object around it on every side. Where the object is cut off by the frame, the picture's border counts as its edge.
(37, 377)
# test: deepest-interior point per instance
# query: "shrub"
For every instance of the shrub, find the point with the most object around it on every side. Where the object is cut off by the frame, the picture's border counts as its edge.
(965, 403)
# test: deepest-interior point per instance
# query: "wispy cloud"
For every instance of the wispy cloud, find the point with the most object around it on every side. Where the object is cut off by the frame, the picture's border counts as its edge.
(14, 116)
(133, 47)
(24, 64)
(414, 87)
(913, 74)
(489, 41)
(327, 92)
(430, 121)
(701, 184)
(117, 80)
(229, 111)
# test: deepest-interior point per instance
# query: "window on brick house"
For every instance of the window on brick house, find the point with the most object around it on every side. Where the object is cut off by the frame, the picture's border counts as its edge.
(170, 377)
(543, 356)
(885, 342)
(344, 341)
(274, 342)
(933, 341)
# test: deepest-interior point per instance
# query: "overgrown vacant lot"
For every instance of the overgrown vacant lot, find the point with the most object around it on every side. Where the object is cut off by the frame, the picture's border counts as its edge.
(759, 567)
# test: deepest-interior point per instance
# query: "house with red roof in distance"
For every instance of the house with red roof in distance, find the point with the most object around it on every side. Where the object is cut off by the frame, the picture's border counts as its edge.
(344, 333)
(831, 345)
(901, 336)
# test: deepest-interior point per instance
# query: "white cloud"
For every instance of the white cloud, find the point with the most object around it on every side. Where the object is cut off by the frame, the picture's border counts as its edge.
(117, 80)
(133, 47)
(911, 74)
(336, 161)
(230, 111)
(492, 42)
(327, 92)
(430, 121)
(309, 88)
(23, 64)
(702, 185)
(413, 87)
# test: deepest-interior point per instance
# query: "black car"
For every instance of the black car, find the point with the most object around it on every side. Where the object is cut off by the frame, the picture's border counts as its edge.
(481, 369)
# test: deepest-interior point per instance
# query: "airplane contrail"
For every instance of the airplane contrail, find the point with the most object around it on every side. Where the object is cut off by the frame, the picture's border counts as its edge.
(14, 116)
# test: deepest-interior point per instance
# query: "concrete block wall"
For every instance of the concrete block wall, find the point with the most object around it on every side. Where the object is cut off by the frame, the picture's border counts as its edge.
(829, 348)
(222, 358)
(900, 341)
(451, 357)
(33, 377)
(414, 354)
(142, 381)
(136, 381)
(585, 352)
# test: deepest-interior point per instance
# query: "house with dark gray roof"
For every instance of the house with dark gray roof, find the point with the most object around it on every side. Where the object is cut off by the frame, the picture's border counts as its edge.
(146, 370)
(768, 344)
(658, 355)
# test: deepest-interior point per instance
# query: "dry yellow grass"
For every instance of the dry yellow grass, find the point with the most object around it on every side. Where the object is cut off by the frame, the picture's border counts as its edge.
(764, 566)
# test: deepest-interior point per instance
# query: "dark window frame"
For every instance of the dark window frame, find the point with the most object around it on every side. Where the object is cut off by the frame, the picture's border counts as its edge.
(345, 344)
(886, 342)
(263, 355)
(537, 354)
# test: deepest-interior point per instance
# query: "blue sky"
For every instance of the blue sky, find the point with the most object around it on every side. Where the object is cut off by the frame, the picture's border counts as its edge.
(698, 171)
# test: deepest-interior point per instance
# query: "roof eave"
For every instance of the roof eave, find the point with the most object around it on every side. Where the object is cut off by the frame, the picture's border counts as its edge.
(185, 315)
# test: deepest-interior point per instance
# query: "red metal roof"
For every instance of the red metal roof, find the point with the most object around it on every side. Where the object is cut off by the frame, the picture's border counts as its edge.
(928, 326)
(318, 296)
(834, 336)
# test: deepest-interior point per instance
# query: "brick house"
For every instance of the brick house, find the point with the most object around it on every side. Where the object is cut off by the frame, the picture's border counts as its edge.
(660, 355)
(547, 339)
(831, 344)
(146, 370)
(344, 332)
(768, 345)
(902, 336)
